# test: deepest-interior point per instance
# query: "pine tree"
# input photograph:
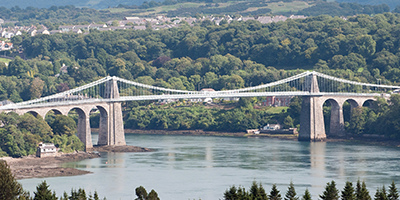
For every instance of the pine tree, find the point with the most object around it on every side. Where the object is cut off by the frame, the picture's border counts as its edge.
(96, 196)
(274, 194)
(43, 192)
(381, 194)
(393, 194)
(307, 195)
(9, 187)
(141, 193)
(231, 193)
(291, 193)
(330, 193)
(153, 195)
(81, 194)
(65, 196)
(348, 192)
(362, 191)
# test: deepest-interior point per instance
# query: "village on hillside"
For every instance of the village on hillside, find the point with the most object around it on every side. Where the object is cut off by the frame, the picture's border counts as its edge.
(136, 23)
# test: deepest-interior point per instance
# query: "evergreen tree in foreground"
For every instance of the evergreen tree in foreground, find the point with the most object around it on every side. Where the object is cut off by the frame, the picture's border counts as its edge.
(348, 192)
(258, 191)
(393, 194)
(380, 194)
(291, 193)
(307, 195)
(141, 193)
(274, 194)
(44, 193)
(362, 192)
(9, 187)
(330, 193)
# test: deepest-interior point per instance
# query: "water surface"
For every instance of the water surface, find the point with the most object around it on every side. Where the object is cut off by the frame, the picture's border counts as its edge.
(194, 167)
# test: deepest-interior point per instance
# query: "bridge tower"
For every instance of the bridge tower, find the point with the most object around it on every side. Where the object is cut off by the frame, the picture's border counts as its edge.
(111, 129)
(312, 127)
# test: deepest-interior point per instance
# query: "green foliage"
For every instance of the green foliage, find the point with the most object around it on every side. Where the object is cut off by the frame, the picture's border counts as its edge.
(291, 192)
(274, 194)
(330, 193)
(141, 194)
(194, 116)
(307, 195)
(361, 191)
(393, 193)
(9, 187)
(381, 194)
(44, 193)
(63, 125)
(20, 135)
(348, 192)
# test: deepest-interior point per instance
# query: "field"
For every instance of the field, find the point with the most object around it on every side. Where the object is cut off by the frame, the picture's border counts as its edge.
(5, 60)
(276, 7)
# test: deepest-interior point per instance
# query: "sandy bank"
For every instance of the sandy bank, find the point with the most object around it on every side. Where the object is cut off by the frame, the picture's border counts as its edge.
(33, 167)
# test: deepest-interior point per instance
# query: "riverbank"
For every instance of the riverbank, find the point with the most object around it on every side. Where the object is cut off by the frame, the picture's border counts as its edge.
(34, 167)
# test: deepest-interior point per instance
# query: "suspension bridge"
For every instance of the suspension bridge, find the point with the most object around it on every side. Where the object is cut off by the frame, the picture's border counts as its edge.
(108, 93)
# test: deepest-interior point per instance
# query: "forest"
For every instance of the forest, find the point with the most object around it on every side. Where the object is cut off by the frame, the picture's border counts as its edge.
(240, 54)
(20, 135)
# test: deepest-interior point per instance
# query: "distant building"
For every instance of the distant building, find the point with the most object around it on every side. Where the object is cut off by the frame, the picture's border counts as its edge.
(4, 46)
(45, 150)
(272, 127)
(277, 101)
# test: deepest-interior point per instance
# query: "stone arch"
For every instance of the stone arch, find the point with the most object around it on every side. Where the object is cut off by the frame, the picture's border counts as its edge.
(34, 113)
(368, 103)
(83, 127)
(103, 126)
(336, 124)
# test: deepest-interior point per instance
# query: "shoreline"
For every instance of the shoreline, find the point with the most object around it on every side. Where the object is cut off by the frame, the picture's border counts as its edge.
(199, 132)
(34, 167)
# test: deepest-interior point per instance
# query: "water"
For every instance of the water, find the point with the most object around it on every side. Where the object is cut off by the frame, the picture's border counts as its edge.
(197, 167)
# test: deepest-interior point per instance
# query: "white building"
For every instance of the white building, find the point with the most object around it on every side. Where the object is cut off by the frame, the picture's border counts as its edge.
(45, 150)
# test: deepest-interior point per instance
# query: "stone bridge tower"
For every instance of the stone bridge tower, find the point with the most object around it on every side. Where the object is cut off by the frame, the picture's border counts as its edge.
(111, 129)
(312, 126)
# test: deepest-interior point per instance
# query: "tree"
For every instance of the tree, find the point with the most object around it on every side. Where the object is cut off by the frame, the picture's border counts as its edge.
(392, 193)
(274, 194)
(348, 192)
(288, 122)
(63, 125)
(9, 187)
(153, 195)
(381, 194)
(36, 88)
(361, 191)
(291, 193)
(43, 192)
(257, 192)
(141, 193)
(330, 193)
(306, 196)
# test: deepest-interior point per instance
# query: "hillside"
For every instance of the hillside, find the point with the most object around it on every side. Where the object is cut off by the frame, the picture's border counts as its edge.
(96, 4)
(391, 3)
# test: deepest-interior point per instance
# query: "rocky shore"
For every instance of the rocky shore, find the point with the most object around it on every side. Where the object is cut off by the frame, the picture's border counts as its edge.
(34, 167)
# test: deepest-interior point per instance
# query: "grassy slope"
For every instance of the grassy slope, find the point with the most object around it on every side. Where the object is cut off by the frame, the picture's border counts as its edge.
(5, 60)
(275, 7)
